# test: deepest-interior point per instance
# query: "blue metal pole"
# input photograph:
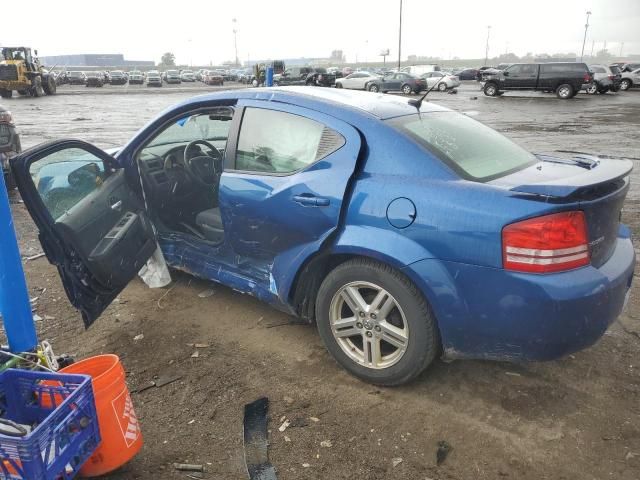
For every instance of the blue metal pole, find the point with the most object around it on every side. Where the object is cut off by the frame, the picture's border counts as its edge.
(269, 77)
(14, 297)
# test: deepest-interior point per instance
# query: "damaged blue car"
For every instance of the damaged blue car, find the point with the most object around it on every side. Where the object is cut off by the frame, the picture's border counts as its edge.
(404, 230)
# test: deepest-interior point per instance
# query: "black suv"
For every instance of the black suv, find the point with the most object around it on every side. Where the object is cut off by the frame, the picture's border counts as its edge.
(564, 78)
(305, 76)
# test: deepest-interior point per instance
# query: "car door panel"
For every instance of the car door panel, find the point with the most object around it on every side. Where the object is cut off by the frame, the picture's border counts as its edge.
(91, 224)
(280, 220)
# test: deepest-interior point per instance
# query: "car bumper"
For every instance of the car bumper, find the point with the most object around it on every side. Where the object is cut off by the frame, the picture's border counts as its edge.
(491, 313)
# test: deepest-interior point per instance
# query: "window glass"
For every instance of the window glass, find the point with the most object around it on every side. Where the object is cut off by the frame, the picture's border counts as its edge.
(277, 142)
(212, 126)
(65, 177)
(468, 146)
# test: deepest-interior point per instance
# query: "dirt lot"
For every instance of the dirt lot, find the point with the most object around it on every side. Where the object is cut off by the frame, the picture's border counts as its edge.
(576, 418)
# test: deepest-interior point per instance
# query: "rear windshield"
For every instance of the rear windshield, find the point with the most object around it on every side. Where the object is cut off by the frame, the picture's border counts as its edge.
(475, 151)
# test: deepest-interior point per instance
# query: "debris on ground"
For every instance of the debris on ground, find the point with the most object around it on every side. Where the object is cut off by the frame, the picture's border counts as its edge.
(314, 419)
(158, 383)
(198, 345)
(288, 400)
(287, 439)
(195, 354)
(326, 444)
(443, 450)
(396, 461)
(188, 467)
(139, 337)
(34, 257)
(306, 465)
(299, 422)
(256, 454)
(207, 293)
(284, 425)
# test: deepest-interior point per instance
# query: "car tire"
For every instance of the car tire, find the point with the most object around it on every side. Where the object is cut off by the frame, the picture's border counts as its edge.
(49, 85)
(625, 84)
(565, 91)
(442, 87)
(592, 89)
(6, 93)
(374, 88)
(338, 85)
(491, 89)
(408, 323)
(406, 89)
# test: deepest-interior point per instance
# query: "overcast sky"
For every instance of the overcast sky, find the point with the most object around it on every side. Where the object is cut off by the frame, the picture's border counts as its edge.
(200, 31)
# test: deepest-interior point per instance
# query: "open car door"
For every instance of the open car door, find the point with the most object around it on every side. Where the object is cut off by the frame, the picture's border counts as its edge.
(91, 225)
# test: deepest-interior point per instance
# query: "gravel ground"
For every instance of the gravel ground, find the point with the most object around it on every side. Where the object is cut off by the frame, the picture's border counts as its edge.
(575, 418)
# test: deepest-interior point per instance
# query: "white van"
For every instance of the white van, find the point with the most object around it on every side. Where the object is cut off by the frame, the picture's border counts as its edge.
(420, 69)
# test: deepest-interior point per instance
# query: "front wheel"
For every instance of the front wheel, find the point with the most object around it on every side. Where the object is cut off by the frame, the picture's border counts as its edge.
(491, 89)
(338, 85)
(625, 84)
(406, 89)
(374, 88)
(442, 87)
(564, 91)
(592, 89)
(375, 323)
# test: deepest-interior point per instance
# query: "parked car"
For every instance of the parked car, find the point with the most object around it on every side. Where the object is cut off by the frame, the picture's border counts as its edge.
(117, 77)
(604, 79)
(442, 81)
(313, 76)
(76, 78)
(564, 78)
(403, 230)
(9, 145)
(187, 76)
(356, 80)
(154, 79)
(136, 78)
(347, 71)
(210, 77)
(94, 79)
(630, 79)
(629, 67)
(467, 74)
(397, 82)
(172, 76)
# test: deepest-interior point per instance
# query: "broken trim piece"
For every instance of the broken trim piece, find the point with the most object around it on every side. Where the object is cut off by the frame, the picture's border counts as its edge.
(256, 442)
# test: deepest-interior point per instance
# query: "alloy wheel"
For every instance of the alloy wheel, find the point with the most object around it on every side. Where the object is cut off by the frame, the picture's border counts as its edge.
(369, 325)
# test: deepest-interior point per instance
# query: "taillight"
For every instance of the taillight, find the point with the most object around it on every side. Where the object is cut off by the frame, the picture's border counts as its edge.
(551, 243)
(587, 78)
(611, 77)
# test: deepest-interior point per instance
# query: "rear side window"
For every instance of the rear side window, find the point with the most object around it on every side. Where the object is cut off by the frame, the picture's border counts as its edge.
(281, 143)
(598, 70)
(475, 151)
(563, 67)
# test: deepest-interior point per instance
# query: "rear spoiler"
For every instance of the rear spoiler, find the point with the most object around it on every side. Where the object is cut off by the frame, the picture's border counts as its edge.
(598, 170)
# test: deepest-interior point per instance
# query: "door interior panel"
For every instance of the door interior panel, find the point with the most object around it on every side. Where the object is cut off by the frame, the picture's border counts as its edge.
(109, 232)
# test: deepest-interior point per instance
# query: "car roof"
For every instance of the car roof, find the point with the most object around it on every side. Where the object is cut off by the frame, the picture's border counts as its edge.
(382, 106)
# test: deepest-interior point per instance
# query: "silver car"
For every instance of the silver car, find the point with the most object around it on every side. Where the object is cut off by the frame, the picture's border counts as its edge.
(630, 79)
(443, 80)
(604, 79)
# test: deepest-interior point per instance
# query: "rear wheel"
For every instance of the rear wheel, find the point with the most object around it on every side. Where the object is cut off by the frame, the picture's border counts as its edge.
(442, 87)
(564, 91)
(491, 89)
(375, 323)
(374, 88)
(592, 89)
(625, 84)
(6, 93)
(406, 89)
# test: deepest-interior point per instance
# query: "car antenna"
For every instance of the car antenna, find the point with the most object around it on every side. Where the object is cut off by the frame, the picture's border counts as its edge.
(418, 103)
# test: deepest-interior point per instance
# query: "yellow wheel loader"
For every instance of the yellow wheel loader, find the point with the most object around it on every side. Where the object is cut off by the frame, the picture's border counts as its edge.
(21, 71)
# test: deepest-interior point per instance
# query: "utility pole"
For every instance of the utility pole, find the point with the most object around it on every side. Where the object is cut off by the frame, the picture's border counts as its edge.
(235, 39)
(586, 27)
(400, 37)
(621, 47)
(593, 46)
(486, 51)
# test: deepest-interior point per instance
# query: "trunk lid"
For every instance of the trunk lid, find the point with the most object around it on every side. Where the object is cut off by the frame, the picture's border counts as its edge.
(596, 185)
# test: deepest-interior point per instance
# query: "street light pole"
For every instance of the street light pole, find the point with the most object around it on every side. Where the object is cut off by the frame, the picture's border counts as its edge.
(400, 37)
(486, 51)
(586, 27)
(235, 40)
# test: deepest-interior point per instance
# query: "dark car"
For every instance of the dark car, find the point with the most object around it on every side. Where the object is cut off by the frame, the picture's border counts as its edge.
(468, 74)
(398, 82)
(305, 76)
(9, 145)
(402, 231)
(564, 78)
(117, 77)
(76, 78)
(95, 79)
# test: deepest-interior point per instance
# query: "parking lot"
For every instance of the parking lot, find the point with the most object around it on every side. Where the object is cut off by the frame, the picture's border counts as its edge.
(576, 418)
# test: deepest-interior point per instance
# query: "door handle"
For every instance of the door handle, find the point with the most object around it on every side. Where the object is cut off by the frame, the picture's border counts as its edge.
(117, 205)
(311, 201)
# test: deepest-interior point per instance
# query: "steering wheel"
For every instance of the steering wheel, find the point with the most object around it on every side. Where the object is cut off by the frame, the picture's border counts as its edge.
(202, 168)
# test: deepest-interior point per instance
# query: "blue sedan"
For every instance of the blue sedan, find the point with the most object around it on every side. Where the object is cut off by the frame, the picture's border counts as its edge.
(403, 230)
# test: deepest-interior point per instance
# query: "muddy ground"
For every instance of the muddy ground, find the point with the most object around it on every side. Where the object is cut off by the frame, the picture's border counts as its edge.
(576, 418)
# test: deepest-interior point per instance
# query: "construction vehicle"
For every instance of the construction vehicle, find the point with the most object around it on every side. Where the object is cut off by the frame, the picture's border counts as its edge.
(21, 71)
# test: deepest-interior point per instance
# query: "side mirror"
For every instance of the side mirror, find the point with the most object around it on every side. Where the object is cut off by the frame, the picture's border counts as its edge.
(506, 74)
